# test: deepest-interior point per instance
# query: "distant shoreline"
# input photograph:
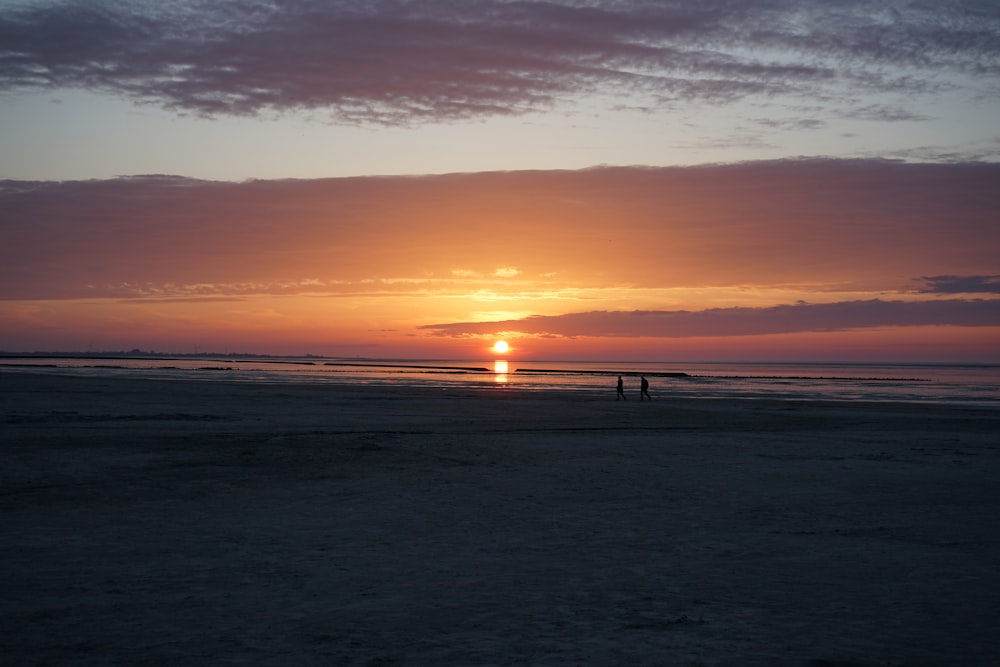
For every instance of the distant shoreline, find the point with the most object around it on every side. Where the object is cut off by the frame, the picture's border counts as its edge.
(241, 357)
(407, 364)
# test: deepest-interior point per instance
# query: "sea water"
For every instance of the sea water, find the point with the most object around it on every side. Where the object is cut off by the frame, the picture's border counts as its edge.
(961, 384)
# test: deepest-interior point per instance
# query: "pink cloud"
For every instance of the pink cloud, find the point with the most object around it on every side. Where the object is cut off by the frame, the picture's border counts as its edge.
(874, 225)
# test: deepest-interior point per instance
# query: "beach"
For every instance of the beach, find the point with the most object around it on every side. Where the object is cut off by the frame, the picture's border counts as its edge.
(212, 522)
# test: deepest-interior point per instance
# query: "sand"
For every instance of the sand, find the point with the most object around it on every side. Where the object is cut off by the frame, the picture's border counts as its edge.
(202, 522)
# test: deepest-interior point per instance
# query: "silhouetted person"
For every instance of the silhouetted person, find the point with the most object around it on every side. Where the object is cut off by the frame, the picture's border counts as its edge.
(621, 390)
(644, 390)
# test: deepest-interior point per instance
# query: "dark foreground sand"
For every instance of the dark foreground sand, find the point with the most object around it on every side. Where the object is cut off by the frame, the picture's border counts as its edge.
(204, 523)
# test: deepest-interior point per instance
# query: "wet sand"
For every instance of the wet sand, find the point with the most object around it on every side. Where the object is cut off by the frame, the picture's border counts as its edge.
(202, 522)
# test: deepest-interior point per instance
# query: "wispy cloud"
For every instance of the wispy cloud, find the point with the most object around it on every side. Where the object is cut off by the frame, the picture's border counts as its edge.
(398, 62)
(723, 322)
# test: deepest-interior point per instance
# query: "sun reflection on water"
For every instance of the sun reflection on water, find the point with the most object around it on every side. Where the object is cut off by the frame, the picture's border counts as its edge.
(500, 371)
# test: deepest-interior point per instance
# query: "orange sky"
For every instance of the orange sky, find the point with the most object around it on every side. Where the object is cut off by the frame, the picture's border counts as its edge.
(823, 179)
(822, 259)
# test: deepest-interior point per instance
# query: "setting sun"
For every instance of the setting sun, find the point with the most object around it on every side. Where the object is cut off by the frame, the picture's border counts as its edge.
(500, 346)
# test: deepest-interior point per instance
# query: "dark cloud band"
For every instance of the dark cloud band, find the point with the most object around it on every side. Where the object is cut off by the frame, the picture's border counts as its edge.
(962, 284)
(721, 322)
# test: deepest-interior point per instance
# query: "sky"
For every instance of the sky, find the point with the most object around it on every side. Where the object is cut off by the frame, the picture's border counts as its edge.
(611, 180)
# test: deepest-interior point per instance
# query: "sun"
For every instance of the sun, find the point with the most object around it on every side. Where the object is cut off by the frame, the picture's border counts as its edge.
(500, 346)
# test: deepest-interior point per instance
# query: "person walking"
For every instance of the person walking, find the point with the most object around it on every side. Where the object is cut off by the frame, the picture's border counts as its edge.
(621, 390)
(644, 389)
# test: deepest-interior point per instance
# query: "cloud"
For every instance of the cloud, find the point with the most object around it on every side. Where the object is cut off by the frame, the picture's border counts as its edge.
(400, 62)
(465, 273)
(827, 224)
(791, 124)
(884, 113)
(725, 322)
(962, 284)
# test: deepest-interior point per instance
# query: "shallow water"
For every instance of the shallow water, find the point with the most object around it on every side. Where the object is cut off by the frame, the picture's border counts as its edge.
(961, 384)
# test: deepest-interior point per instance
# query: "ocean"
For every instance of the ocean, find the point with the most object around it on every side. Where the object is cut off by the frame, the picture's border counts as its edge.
(958, 384)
